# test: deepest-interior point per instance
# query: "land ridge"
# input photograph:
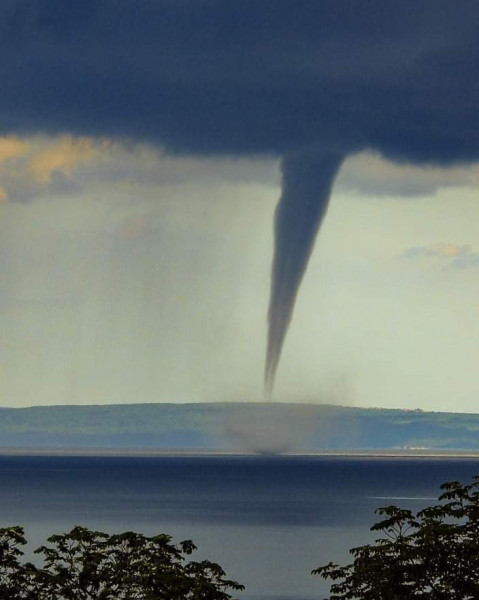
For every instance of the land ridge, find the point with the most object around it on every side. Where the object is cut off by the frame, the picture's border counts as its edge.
(236, 427)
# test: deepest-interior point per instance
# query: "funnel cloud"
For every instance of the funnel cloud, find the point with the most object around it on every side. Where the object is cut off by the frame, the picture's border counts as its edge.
(306, 187)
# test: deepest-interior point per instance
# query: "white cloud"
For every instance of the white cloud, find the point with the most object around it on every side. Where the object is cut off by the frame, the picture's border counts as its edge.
(440, 250)
(458, 256)
(465, 262)
(59, 165)
(371, 174)
(65, 165)
(42, 166)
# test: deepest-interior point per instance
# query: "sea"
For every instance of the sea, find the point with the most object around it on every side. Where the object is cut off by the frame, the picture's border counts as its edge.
(267, 520)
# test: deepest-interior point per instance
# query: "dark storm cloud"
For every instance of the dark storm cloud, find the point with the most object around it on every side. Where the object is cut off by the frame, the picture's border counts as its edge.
(248, 76)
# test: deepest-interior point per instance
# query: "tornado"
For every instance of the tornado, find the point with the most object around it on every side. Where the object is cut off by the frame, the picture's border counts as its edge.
(307, 179)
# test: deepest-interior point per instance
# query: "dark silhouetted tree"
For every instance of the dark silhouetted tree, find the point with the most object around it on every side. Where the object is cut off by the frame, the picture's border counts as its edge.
(92, 565)
(16, 579)
(431, 555)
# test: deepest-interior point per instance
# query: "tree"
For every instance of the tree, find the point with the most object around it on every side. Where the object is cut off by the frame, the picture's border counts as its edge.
(431, 555)
(16, 579)
(92, 565)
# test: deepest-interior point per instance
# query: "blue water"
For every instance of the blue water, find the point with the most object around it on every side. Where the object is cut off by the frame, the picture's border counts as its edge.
(267, 520)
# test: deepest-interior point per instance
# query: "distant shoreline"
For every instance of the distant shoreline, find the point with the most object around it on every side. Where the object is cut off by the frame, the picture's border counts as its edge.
(235, 429)
(199, 452)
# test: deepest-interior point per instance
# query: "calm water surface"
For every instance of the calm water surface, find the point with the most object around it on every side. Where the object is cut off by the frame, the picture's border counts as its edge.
(267, 520)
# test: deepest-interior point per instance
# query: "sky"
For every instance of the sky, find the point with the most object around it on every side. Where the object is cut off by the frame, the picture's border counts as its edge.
(141, 156)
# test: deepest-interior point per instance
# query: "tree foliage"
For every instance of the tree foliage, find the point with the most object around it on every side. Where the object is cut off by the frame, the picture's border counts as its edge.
(14, 577)
(92, 565)
(431, 555)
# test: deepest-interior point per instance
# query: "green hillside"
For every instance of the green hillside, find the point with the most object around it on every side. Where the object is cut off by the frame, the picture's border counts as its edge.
(240, 426)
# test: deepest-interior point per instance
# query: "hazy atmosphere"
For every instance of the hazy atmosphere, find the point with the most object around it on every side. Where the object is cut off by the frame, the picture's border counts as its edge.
(140, 168)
